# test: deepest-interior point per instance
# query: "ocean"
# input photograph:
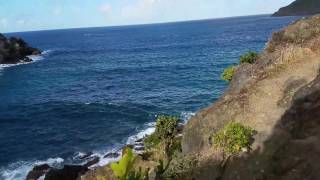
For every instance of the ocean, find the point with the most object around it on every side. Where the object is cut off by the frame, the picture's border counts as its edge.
(97, 89)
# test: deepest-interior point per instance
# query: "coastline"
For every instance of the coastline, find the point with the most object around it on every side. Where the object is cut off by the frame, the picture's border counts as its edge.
(21, 169)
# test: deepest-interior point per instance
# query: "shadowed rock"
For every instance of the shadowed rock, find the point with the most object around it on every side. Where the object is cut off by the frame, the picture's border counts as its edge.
(15, 50)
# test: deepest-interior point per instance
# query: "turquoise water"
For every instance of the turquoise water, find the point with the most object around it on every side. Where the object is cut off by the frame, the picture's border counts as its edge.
(94, 88)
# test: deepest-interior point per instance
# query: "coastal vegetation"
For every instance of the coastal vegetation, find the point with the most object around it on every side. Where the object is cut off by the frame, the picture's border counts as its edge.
(124, 169)
(250, 57)
(233, 138)
(228, 73)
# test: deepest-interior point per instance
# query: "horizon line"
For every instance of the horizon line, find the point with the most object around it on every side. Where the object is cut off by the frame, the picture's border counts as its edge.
(142, 24)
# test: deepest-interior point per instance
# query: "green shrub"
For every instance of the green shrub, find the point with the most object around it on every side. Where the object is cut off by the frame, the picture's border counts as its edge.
(166, 127)
(174, 147)
(228, 73)
(250, 57)
(123, 170)
(151, 141)
(233, 137)
(181, 167)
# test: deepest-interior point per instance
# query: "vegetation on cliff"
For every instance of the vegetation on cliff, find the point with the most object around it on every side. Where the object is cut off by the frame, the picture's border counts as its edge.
(249, 57)
(233, 138)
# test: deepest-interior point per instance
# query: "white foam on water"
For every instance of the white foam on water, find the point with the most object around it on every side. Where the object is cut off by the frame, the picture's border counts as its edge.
(34, 58)
(19, 170)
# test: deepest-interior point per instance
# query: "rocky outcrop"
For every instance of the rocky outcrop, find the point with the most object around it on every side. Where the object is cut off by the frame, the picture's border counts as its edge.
(15, 50)
(278, 97)
(300, 8)
(69, 172)
(38, 171)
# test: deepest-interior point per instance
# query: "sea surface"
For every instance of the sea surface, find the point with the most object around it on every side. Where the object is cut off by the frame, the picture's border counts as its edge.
(96, 89)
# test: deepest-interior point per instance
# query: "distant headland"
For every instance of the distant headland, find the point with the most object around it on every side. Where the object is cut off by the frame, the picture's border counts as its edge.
(300, 8)
(15, 50)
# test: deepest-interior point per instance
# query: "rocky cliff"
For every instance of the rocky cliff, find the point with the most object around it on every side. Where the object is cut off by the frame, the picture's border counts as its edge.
(278, 97)
(300, 8)
(15, 50)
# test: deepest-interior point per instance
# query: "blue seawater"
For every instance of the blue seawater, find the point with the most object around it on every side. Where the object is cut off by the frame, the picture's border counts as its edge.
(95, 87)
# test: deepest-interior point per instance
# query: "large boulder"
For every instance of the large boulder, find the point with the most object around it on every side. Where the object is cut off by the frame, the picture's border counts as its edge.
(38, 171)
(68, 172)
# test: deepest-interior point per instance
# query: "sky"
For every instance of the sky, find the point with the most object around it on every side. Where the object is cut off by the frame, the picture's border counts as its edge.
(30, 15)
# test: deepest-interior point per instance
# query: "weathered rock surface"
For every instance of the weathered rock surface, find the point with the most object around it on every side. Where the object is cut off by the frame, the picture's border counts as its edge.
(279, 97)
(300, 8)
(15, 50)
(69, 172)
(38, 171)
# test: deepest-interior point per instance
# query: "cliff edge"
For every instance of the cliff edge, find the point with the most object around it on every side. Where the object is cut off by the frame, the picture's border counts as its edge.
(279, 97)
(300, 8)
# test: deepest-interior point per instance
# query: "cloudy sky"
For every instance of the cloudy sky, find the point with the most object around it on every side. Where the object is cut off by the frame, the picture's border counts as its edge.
(26, 15)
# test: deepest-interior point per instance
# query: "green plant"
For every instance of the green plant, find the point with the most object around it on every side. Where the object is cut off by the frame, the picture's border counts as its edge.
(138, 175)
(123, 170)
(174, 147)
(166, 127)
(181, 167)
(233, 137)
(151, 141)
(228, 73)
(250, 57)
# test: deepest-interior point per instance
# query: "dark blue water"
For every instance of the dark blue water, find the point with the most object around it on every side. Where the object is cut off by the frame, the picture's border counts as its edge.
(96, 87)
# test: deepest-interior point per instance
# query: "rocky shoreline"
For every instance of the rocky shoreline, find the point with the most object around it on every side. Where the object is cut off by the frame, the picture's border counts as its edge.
(73, 171)
(15, 50)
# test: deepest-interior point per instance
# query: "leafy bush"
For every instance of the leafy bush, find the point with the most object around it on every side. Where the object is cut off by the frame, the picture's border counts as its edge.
(123, 170)
(151, 141)
(174, 147)
(181, 167)
(228, 73)
(166, 127)
(233, 137)
(250, 57)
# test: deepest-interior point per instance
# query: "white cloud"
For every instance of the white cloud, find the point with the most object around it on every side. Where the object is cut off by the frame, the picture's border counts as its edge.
(3, 23)
(105, 8)
(57, 10)
(21, 22)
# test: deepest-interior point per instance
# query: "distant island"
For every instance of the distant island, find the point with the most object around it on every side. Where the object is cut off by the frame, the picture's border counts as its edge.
(300, 8)
(15, 50)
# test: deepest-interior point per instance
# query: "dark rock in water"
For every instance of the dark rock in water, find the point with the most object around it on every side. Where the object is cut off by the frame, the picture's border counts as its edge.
(111, 155)
(93, 161)
(69, 172)
(15, 50)
(38, 171)
(85, 156)
(139, 148)
(139, 140)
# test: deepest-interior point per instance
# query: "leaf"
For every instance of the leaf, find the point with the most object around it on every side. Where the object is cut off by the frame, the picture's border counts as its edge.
(123, 167)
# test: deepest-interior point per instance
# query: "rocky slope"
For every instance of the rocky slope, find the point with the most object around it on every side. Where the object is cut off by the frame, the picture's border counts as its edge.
(278, 97)
(300, 8)
(15, 50)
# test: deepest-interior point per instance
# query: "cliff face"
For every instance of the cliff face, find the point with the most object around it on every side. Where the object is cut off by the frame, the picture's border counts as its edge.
(300, 8)
(278, 97)
(14, 50)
